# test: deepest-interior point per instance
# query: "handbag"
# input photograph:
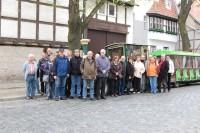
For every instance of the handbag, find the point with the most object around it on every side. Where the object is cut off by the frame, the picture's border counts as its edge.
(45, 78)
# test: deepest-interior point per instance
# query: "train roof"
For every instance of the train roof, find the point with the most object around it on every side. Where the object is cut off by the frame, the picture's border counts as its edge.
(171, 52)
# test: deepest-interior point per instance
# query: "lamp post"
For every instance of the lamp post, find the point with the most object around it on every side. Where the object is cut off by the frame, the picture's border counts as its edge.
(84, 43)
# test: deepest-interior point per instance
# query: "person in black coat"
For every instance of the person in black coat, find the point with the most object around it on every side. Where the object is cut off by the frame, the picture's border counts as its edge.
(163, 73)
(129, 74)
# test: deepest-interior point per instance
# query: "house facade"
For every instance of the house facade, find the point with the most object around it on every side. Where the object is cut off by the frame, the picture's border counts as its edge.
(158, 24)
(26, 26)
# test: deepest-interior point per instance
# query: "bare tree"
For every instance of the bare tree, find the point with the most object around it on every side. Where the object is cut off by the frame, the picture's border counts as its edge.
(77, 24)
(182, 17)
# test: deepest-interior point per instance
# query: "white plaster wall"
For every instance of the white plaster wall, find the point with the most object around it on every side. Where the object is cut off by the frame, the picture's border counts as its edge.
(8, 28)
(62, 3)
(62, 16)
(45, 32)
(121, 15)
(9, 8)
(162, 36)
(61, 33)
(46, 13)
(160, 44)
(28, 30)
(28, 10)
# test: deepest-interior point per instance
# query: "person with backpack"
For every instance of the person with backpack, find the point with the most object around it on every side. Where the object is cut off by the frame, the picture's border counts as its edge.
(61, 73)
(30, 76)
(75, 73)
(89, 71)
(129, 74)
(152, 73)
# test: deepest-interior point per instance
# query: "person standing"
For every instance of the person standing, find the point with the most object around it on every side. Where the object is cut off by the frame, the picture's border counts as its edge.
(41, 65)
(75, 73)
(129, 74)
(89, 72)
(170, 72)
(163, 69)
(68, 54)
(51, 77)
(116, 70)
(30, 76)
(61, 72)
(144, 78)
(103, 66)
(139, 70)
(123, 76)
(152, 73)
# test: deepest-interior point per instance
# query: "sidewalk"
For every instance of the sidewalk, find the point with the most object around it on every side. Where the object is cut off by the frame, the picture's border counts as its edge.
(12, 90)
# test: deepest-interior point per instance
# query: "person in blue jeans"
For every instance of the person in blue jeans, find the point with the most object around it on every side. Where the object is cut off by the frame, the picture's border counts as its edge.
(61, 72)
(89, 72)
(30, 76)
(75, 63)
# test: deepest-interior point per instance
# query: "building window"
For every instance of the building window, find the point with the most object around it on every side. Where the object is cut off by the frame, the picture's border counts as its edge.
(156, 24)
(171, 27)
(168, 4)
(102, 10)
(165, 48)
(153, 48)
(111, 10)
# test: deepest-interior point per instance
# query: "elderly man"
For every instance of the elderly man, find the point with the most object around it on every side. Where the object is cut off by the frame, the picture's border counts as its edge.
(88, 70)
(163, 73)
(103, 66)
(30, 76)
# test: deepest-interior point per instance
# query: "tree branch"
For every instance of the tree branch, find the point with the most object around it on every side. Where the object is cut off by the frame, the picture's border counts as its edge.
(92, 13)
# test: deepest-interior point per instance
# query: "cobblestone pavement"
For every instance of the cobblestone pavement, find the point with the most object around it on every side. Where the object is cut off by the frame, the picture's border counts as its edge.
(174, 112)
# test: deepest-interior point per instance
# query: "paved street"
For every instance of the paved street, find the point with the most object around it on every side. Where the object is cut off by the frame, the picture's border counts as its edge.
(174, 112)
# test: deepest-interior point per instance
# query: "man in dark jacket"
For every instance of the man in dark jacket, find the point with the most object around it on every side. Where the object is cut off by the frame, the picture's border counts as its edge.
(61, 72)
(163, 73)
(75, 63)
(123, 76)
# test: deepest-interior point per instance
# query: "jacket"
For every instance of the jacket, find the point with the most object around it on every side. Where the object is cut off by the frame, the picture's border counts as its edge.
(139, 69)
(129, 70)
(103, 64)
(61, 66)
(75, 64)
(25, 70)
(88, 69)
(171, 67)
(163, 68)
(123, 64)
(116, 68)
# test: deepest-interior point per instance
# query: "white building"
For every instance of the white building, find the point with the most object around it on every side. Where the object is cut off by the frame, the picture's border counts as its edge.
(155, 24)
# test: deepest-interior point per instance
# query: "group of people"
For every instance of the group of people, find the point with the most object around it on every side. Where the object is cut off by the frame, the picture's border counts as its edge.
(62, 74)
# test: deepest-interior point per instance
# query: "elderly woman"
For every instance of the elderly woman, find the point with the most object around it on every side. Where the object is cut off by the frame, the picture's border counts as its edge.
(30, 76)
(116, 74)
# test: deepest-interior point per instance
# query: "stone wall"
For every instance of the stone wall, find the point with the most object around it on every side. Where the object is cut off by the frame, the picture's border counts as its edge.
(12, 59)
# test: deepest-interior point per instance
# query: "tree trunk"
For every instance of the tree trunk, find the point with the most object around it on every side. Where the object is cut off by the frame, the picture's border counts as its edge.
(182, 18)
(74, 25)
(184, 35)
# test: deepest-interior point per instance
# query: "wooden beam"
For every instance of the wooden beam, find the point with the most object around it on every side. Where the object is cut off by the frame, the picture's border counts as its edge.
(37, 19)
(54, 21)
(19, 20)
(0, 15)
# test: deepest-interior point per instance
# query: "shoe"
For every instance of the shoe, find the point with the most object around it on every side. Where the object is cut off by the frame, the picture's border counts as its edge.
(92, 99)
(84, 98)
(79, 97)
(103, 98)
(63, 98)
(98, 98)
(71, 97)
(56, 99)
(28, 98)
(138, 92)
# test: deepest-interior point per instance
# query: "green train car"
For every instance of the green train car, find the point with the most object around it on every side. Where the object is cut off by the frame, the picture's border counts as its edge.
(187, 65)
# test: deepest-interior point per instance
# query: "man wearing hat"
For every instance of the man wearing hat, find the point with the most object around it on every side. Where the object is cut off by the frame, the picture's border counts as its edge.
(61, 72)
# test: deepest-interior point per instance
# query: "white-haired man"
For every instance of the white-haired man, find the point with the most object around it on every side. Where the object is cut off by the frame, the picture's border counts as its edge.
(103, 66)
(30, 76)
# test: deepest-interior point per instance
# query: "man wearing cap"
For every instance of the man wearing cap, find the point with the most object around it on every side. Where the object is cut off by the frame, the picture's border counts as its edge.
(61, 73)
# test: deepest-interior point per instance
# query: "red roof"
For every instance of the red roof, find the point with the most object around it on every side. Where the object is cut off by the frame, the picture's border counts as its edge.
(195, 11)
(159, 7)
